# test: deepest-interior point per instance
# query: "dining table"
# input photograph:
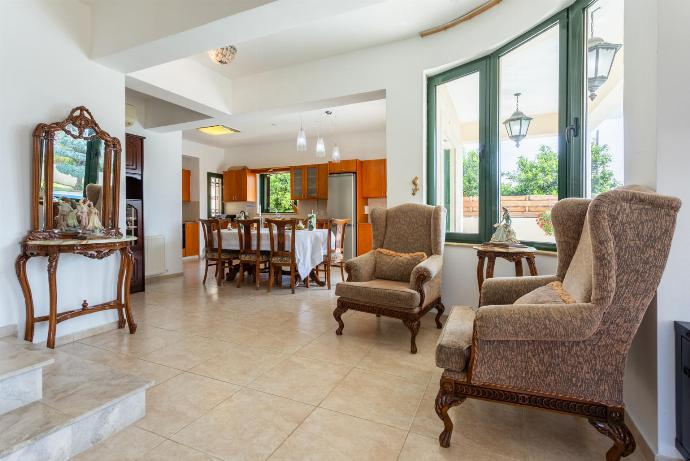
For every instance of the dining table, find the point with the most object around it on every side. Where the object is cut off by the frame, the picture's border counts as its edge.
(310, 246)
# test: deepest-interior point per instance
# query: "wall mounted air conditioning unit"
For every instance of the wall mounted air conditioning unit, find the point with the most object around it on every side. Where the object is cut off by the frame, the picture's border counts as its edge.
(130, 115)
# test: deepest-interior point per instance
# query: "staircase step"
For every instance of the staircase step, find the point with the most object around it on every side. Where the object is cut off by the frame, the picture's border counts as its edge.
(83, 403)
(21, 376)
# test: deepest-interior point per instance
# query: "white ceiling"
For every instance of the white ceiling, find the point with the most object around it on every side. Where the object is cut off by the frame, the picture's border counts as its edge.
(382, 22)
(257, 129)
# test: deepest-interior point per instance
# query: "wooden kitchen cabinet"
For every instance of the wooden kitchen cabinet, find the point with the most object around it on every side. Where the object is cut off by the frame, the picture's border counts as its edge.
(191, 239)
(343, 166)
(134, 155)
(186, 185)
(374, 178)
(239, 186)
(309, 182)
(364, 238)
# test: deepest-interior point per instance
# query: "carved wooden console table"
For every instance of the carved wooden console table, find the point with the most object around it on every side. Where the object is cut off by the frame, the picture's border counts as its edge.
(92, 248)
(513, 254)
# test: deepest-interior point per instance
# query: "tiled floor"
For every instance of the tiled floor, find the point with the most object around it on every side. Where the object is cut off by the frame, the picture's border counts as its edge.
(242, 374)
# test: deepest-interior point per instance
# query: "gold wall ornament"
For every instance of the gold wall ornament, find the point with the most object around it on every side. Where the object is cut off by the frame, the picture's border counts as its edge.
(415, 185)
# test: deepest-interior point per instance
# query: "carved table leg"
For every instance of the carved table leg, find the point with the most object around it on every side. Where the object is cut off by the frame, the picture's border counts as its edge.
(490, 267)
(532, 265)
(52, 289)
(480, 271)
(20, 267)
(337, 314)
(623, 440)
(445, 400)
(120, 286)
(518, 267)
(128, 280)
(413, 326)
(440, 308)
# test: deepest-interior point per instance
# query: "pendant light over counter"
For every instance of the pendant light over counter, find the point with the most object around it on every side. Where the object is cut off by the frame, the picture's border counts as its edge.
(320, 148)
(301, 138)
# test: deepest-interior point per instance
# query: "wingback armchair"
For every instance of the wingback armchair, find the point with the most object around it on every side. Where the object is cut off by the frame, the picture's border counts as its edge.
(409, 228)
(567, 357)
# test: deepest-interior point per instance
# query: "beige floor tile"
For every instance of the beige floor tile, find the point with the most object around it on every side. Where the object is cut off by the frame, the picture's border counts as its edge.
(302, 379)
(172, 405)
(337, 349)
(397, 360)
(287, 341)
(328, 435)
(147, 339)
(248, 426)
(476, 423)
(377, 397)
(123, 362)
(172, 451)
(418, 447)
(129, 444)
(239, 364)
(188, 352)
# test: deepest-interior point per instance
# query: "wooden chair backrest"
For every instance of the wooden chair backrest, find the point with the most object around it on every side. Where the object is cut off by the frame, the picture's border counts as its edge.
(276, 230)
(340, 226)
(211, 228)
(249, 244)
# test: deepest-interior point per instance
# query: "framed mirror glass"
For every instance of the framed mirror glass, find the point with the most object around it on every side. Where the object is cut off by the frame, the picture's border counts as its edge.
(76, 179)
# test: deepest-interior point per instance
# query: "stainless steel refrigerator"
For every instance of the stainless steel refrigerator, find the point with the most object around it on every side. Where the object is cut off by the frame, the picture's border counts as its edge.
(342, 203)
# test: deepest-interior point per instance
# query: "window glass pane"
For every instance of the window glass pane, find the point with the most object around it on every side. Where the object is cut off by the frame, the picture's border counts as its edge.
(604, 96)
(528, 134)
(457, 135)
(276, 193)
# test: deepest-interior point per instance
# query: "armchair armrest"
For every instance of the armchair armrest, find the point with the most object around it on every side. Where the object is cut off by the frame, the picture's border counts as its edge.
(426, 278)
(506, 290)
(361, 268)
(537, 322)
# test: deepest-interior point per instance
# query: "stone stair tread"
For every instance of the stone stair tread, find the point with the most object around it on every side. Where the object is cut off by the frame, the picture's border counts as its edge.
(73, 389)
(15, 359)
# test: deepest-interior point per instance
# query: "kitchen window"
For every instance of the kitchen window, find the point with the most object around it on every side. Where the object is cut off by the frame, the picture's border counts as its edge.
(274, 192)
(215, 194)
(538, 120)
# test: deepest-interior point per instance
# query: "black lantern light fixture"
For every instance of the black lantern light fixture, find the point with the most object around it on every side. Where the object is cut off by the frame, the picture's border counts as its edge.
(600, 56)
(518, 123)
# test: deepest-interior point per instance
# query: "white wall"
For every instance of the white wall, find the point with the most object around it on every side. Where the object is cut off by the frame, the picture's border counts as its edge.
(673, 166)
(361, 145)
(211, 159)
(45, 73)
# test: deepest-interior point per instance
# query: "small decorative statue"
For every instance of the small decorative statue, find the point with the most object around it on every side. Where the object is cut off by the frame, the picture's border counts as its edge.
(311, 220)
(94, 224)
(505, 234)
(72, 222)
(83, 213)
(64, 210)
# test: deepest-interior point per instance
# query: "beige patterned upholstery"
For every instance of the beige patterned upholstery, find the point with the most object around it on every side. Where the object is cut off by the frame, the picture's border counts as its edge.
(409, 228)
(573, 350)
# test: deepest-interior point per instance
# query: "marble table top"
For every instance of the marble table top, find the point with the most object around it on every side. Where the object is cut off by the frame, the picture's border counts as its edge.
(503, 249)
(82, 242)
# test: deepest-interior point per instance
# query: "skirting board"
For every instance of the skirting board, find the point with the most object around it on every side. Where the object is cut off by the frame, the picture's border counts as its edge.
(8, 330)
(162, 276)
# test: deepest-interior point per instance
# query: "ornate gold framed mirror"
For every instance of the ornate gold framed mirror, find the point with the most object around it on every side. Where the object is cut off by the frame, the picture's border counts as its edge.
(76, 179)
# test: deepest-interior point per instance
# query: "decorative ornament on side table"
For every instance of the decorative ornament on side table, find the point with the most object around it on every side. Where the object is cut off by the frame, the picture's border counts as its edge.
(505, 234)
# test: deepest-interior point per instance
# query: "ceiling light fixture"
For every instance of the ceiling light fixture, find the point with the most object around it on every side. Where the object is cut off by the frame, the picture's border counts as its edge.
(224, 55)
(335, 153)
(217, 130)
(518, 123)
(301, 138)
(320, 144)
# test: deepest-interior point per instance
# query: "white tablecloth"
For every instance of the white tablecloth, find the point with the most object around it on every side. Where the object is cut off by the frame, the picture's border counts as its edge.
(310, 246)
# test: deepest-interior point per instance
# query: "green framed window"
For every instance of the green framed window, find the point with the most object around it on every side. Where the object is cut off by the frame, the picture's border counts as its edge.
(521, 128)
(214, 189)
(274, 192)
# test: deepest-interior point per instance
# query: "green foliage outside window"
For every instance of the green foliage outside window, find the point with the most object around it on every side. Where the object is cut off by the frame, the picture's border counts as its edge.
(278, 191)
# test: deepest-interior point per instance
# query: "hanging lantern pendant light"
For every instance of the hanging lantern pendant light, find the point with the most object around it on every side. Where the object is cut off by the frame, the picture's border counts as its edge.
(600, 56)
(320, 144)
(518, 123)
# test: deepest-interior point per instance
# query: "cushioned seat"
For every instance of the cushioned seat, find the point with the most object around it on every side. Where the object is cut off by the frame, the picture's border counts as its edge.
(453, 348)
(382, 292)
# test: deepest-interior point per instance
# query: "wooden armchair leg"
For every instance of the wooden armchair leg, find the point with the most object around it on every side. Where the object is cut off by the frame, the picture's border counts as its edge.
(623, 440)
(445, 400)
(440, 308)
(413, 326)
(338, 314)
(342, 271)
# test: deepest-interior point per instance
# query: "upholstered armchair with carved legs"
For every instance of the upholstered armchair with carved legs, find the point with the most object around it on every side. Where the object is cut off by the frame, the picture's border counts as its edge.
(406, 229)
(570, 356)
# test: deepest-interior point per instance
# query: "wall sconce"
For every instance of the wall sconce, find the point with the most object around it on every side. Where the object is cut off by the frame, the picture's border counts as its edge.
(415, 185)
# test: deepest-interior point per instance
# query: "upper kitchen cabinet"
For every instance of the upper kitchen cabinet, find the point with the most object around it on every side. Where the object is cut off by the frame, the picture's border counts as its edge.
(134, 155)
(186, 185)
(239, 186)
(343, 166)
(374, 178)
(309, 182)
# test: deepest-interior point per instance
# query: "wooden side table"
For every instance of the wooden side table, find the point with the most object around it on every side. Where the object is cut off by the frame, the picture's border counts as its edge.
(513, 254)
(93, 249)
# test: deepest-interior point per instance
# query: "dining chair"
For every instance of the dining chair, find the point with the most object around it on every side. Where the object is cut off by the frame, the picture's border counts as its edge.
(280, 257)
(335, 256)
(214, 254)
(249, 233)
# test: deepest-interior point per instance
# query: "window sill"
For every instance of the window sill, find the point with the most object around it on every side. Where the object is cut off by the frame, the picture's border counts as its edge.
(542, 252)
